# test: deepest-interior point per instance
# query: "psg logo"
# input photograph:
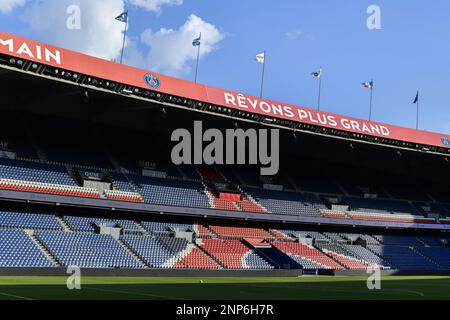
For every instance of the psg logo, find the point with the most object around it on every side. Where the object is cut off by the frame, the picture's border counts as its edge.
(152, 81)
(445, 141)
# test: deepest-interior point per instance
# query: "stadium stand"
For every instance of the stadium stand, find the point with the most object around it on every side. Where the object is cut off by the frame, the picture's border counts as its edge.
(50, 240)
(405, 258)
(25, 220)
(86, 250)
(18, 250)
(168, 191)
(308, 253)
(327, 209)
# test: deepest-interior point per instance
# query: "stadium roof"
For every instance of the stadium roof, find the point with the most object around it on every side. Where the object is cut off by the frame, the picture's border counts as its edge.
(50, 61)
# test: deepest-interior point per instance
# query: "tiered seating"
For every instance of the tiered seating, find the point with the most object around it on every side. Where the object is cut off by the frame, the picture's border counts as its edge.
(121, 182)
(223, 204)
(30, 186)
(307, 252)
(333, 236)
(398, 240)
(166, 227)
(390, 217)
(240, 232)
(279, 235)
(123, 196)
(196, 259)
(380, 206)
(435, 240)
(86, 250)
(25, 220)
(150, 249)
(308, 234)
(168, 192)
(254, 261)
(333, 214)
(246, 204)
(366, 255)
(18, 170)
(230, 253)
(172, 244)
(439, 255)
(202, 232)
(305, 263)
(349, 262)
(367, 238)
(286, 203)
(18, 250)
(249, 206)
(404, 257)
(78, 223)
(343, 256)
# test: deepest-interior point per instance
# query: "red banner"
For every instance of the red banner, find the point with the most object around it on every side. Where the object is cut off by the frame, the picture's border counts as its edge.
(95, 67)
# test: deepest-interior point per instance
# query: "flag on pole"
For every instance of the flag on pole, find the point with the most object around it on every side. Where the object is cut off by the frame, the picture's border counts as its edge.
(123, 17)
(197, 41)
(317, 74)
(416, 99)
(367, 84)
(261, 57)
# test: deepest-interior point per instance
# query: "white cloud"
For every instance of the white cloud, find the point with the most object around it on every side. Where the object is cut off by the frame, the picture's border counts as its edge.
(154, 5)
(294, 34)
(167, 50)
(99, 35)
(172, 50)
(7, 6)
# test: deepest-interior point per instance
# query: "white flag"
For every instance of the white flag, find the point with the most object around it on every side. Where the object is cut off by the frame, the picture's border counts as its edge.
(260, 57)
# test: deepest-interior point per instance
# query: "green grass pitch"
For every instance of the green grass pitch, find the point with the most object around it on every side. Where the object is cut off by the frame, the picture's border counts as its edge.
(32, 288)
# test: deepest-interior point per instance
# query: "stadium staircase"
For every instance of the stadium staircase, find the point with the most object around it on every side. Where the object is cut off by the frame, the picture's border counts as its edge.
(63, 222)
(274, 256)
(172, 262)
(199, 247)
(42, 248)
(133, 253)
(427, 257)
(211, 231)
(283, 261)
(346, 261)
(142, 228)
(383, 257)
(211, 175)
(195, 258)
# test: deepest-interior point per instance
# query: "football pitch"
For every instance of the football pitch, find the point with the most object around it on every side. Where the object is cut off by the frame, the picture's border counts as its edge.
(125, 288)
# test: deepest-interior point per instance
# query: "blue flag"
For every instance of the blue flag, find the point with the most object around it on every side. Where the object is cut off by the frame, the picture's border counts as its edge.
(416, 99)
(123, 17)
(196, 42)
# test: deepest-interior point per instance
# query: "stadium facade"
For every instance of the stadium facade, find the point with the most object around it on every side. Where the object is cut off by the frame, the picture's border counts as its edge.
(86, 179)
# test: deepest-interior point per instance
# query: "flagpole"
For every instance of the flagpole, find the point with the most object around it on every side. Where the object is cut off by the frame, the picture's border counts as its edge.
(262, 78)
(417, 116)
(124, 36)
(198, 58)
(320, 89)
(370, 103)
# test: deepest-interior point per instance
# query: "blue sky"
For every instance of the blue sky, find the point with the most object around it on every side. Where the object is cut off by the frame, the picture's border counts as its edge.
(410, 52)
